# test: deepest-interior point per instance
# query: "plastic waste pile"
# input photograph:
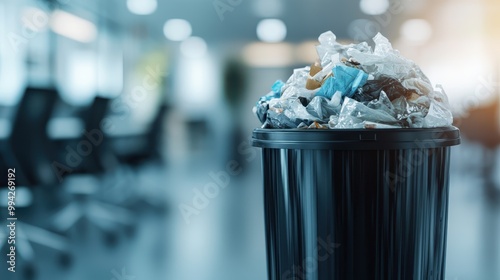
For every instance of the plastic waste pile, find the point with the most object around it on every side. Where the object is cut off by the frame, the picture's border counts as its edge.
(353, 86)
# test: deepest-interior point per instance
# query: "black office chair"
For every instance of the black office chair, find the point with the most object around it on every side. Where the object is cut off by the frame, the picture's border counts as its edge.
(29, 139)
(146, 147)
(86, 203)
(135, 151)
(26, 149)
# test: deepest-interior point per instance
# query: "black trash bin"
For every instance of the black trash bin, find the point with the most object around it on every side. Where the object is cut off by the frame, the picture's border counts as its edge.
(356, 204)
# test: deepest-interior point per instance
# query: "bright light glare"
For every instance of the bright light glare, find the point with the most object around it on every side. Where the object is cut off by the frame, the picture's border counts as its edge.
(374, 7)
(177, 29)
(271, 30)
(73, 27)
(416, 31)
(194, 47)
(142, 7)
(196, 84)
(79, 85)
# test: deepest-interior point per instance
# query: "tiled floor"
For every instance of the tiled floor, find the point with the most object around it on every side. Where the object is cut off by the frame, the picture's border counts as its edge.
(225, 240)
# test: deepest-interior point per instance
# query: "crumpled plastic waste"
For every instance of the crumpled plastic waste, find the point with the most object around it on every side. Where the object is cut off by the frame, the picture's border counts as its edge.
(287, 113)
(322, 107)
(263, 104)
(344, 79)
(353, 86)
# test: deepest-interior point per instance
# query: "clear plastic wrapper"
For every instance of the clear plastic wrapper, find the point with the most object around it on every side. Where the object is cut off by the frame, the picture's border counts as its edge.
(387, 61)
(322, 108)
(438, 116)
(383, 104)
(392, 87)
(288, 113)
(296, 85)
(262, 105)
(354, 114)
(329, 48)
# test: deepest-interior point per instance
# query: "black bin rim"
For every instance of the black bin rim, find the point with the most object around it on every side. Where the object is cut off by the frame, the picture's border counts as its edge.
(356, 139)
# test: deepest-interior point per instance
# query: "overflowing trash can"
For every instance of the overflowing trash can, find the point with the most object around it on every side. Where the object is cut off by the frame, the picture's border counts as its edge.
(347, 204)
(356, 155)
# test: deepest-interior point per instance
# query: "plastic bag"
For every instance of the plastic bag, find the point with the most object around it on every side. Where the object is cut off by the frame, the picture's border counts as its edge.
(296, 85)
(392, 87)
(387, 61)
(354, 114)
(322, 108)
(262, 105)
(345, 79)
(288, 113)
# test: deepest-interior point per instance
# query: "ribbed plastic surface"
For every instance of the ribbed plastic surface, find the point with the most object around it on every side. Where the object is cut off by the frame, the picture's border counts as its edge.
(356, 214)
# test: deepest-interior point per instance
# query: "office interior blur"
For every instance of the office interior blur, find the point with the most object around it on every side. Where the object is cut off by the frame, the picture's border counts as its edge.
(116, 114)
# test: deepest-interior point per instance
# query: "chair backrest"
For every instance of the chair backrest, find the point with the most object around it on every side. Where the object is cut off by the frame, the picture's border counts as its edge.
(96, 113)
(156, 129)
(28, 139)
(33, 113)
(92, 118)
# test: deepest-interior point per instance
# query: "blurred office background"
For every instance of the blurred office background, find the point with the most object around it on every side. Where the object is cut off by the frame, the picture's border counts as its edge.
(115, 113)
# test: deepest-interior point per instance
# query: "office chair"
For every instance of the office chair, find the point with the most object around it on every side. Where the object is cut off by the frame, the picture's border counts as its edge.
(29, 139)
(146, 147)
(25, 149)
(140, 150)
(86, 203)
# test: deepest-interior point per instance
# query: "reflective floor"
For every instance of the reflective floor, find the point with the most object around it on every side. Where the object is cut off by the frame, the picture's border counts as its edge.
(225, 239)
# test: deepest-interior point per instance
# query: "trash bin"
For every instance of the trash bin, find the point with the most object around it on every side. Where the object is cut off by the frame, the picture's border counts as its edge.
(356, 204)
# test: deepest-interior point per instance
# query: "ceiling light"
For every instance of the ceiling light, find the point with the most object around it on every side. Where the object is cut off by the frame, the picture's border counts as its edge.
(177, 29)
(142, 7)
(73, 27)
(271, 30)
(374, 7)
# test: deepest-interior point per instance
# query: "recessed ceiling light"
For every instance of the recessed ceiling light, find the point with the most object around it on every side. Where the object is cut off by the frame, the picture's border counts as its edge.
(177, 29)
(73, 27)
(271, 30)
(374, 7)
(142, 7)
